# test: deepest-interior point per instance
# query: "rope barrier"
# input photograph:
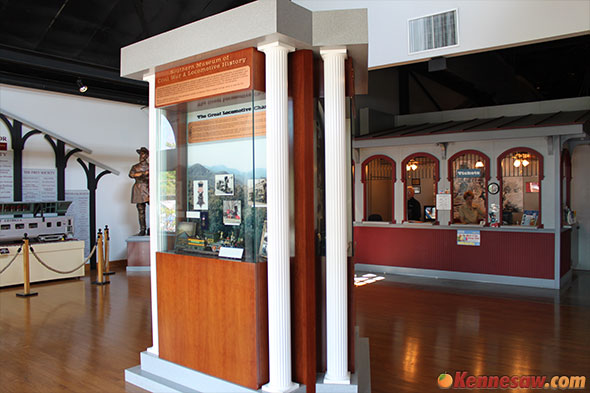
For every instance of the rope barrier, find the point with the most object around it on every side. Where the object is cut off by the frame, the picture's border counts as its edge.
(61, 271)
(12, 260)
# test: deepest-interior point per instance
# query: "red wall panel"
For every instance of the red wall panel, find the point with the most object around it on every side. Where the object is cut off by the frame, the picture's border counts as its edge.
(520, 254)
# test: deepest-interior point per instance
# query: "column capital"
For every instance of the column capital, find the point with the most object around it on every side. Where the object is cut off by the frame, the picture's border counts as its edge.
(275, 45)
(341, 50)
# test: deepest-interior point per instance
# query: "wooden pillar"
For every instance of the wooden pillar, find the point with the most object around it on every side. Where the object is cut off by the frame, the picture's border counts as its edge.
(303, 268)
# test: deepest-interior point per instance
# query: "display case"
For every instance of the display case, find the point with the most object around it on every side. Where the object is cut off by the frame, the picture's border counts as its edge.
(212, 176)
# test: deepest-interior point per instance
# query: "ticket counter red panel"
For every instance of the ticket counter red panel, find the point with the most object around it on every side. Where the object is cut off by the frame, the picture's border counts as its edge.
(519, 254)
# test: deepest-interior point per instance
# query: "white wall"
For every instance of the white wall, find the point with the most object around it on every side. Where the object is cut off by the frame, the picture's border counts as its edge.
(581, 202)
(112, 130)
(491, 148)
(483, 24)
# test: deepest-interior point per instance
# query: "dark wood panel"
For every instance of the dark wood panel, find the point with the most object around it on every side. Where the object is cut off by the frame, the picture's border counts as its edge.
(303, 266)
(520, 254)
(209, 315)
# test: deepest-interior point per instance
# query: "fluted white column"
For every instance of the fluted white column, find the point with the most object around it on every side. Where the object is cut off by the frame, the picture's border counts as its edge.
(277, 211)
(336, 228)
(153, 212)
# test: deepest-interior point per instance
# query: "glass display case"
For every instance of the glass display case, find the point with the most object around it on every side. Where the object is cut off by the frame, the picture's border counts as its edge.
(212, 176)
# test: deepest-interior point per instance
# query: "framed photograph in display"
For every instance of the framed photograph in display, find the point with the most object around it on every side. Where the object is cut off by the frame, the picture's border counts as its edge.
(201, 195)
(262, 252)
(416, 182)
(224, 184)
(257, 192)
(232, 212)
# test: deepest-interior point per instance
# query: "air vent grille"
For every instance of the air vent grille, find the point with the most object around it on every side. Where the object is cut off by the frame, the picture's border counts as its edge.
(433, 31)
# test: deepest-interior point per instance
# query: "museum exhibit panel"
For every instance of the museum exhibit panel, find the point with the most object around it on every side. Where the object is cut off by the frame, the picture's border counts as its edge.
(500, 200)
(250, 200)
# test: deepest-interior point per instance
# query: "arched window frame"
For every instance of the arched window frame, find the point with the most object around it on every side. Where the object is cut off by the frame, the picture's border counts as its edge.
(393, 179)
(486, 161)
(541, 177)
(405, 175)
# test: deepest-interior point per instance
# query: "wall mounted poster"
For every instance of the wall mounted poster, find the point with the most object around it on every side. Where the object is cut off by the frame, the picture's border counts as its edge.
(224, 184)
(468, 238)
(6, 173)
(39, 185)
(201, 194)
(79, 209)
(232, 212)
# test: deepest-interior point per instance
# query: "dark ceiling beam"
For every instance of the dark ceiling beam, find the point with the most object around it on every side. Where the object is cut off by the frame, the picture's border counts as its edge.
(425, 91)
(25, 58)
(459, 85)
(29, 69)
(57, 14)
(81, 49)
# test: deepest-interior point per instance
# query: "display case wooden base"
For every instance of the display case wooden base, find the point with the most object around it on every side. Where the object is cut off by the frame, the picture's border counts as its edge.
(213, 318)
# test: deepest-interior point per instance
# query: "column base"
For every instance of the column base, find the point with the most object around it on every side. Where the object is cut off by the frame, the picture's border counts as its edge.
(271, 389)
(328, 380)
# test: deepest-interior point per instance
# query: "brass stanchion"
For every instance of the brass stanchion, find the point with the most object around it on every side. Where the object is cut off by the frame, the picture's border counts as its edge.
(107, 240)
(99, 261)
(26, 273)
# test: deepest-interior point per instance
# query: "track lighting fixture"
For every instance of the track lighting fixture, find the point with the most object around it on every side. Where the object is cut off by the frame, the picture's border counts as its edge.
(81, 86)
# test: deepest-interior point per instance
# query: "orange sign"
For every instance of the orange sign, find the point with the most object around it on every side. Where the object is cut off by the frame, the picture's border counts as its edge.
(223, 74)
(228, 127)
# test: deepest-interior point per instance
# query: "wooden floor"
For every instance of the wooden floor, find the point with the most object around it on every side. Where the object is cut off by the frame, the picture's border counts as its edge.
(75, 337)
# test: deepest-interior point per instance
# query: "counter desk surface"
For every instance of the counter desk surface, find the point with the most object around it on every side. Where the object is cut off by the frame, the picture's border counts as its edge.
(507, 251)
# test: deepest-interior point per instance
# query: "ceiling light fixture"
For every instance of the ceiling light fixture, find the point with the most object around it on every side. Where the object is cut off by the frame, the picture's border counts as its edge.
(516, 163)
(412, 165)
(479, 164)
(81, 86)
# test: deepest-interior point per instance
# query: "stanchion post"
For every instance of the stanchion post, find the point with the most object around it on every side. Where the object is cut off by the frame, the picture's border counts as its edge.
(26, 273)
(107, 241)
(99, 261)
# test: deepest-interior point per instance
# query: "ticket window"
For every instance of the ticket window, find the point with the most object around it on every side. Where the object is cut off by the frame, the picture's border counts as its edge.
(468, 176)
(521, 175)
(378, 178)
(420, 177)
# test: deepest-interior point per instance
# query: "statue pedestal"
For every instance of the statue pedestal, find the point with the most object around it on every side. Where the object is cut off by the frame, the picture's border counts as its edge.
(138, 253)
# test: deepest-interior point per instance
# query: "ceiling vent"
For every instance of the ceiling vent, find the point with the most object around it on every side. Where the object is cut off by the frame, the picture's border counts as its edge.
(433, 31)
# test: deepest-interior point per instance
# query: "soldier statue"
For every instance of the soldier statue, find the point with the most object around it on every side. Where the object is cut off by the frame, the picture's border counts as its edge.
(140, 194)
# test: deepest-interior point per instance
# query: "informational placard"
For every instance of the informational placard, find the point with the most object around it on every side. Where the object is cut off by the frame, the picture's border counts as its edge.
(79, 210)
(443, 202)
(229, 122)
(6, 176)
(231, 252)
(39, 185)
(468, 238)
(223, 74)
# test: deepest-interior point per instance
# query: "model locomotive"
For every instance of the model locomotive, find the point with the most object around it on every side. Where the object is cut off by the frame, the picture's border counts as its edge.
(42, 221)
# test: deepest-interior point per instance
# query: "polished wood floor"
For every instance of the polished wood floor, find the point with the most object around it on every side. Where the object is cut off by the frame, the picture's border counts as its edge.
(75, 337)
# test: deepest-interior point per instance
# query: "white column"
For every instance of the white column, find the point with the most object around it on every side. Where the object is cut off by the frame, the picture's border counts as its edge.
(336, 217)
(153, 214)
(277, 211)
